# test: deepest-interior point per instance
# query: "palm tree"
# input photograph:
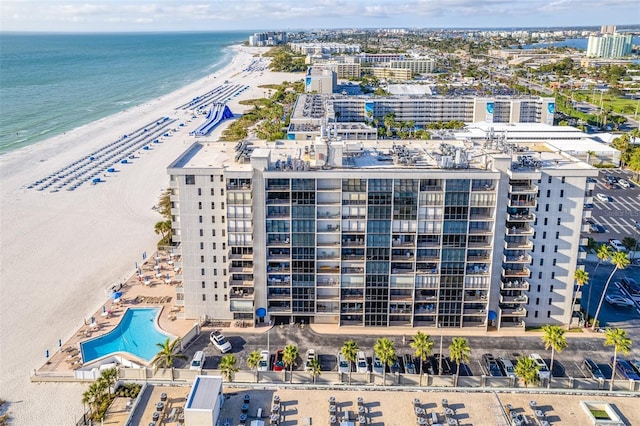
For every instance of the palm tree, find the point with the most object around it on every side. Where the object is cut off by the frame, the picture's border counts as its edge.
(253, 361)
(167, 354)
(91, 397)
(527, 369)
(314, 368)
(604, 253)
(349, 351)
(422, 344)
(617, 338)
(620, 260)
(289, 356)
(553, 338)
(109, 376)
(386, 351)
(459, 351)
(580, 277)
(228, 366)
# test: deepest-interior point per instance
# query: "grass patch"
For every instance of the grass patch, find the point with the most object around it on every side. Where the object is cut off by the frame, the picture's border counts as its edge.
(540, 330)
(600, 414)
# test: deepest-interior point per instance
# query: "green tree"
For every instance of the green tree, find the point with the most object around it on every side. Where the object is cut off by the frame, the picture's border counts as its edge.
(314, 369)
(553, 338)
(109, 377)
(581, 278)
(253, 361)
(629, 243)
(164, 203)
(386, 351)
(164, 228)
(349, 351)
(617, 338)
(228, 366)
(459, 351)
(422, 346)
(604, 254)
(620, 260)
(167, 354)
(527, 370)
(289, 356)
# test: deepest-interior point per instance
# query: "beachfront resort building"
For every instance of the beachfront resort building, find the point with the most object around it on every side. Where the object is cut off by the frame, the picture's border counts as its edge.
(270, 38)
(320, 80)
(609, 46)
(454, 233)
(324, 48)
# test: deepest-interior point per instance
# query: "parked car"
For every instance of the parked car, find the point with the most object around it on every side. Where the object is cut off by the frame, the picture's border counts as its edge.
(263, 365)
(278, 363)
(198, 361)
(438, 359)
(594, 228)
(624, 184)
(617, 245)
(378, 367)
(309, 358)
(635, 364)
(625, 369)
(631, 286)
(593, 369)
(617, 300)
(361, 364)
(507, 367)
(602, 197)
(491, 365)
(409, 364)
(395, 367)
(343, 364)
(543, 370)
(219, 341)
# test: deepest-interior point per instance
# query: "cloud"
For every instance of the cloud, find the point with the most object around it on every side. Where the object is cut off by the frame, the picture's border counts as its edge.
(256, 14)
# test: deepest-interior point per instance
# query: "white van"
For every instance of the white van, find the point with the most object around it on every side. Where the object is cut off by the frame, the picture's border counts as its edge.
(543, 370)
(198, 361)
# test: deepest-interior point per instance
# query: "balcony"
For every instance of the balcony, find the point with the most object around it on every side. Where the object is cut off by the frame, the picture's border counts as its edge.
(236, 187)
(322, 297)
(512, 300)
(352, 270)
(477, 270)
(522, 285)
(474, 311)
(518, 245)
(241, 256)
(401, 271)
(522, 202)
(513, 230)
(278, 254)
(328, 228)
(521, 217)
(328, 270)
(245, 269)
(272, 201)
(278, 242)
(241, 283)
(241, 294)
(515, 273)
(353, 242)
(523, 189)
(322, 255)
(521, 258)
(478, 258)
(483, 188)
(480, 244)
(479, 231)
(279, 308)
(277, 295)
(520, 311)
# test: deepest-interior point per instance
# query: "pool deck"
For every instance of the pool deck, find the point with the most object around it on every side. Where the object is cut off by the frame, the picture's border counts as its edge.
(135, 294)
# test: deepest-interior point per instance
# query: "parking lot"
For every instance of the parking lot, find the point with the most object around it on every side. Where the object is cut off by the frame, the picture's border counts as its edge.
(618, 215)
(567, 363)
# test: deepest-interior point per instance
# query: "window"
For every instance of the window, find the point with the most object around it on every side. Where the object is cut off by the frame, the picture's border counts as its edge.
(535, 314)
(559, 221)
(215, 297)
(544, 236)
(199, 191)
(222, 218)
(215, 271)
(215, 259)
(562, 192)
(224, 272)
(225, 297)
(543, 248)
(546, 207)
(555, 249)
(211, 178)
(213, 205)
(537, 300)
(200, 219)
(557, 235)
(221, 191)
(212, 193)
(202, 271)
(555, 261)
(222, 205)
(538, 288)
(548, 193)
(203, 285)
(204, 297)
(224, 246)
(563, 180)
(548, 314)
(213, 232)
(224, 232)
(201, 246)
(559, 208)
(549, 179)
(553, 276)
(550, 301)
(213, 219)
(546, 221)
(199, 205)
(215, 284)
(541, 262)
(224, 259)
(214, 246)
(221, 178)
(202, 232)
(551, 289)
(539, 277)
(224, 284)
(189, 179)
(201, 259)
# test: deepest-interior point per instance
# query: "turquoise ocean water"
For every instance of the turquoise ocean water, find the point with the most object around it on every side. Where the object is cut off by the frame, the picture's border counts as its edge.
(52, 83)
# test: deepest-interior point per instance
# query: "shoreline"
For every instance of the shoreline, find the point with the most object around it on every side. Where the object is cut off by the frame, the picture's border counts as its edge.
(60, 250)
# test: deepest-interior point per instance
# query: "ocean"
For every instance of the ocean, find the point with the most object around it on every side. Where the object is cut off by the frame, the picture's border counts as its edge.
(52, 83)
(576, 43)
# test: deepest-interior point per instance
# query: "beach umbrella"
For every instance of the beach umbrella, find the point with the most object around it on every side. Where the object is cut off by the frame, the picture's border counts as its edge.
(117, 295)
(46, 354)
(104, 309)
(136, 265)
(59, 343)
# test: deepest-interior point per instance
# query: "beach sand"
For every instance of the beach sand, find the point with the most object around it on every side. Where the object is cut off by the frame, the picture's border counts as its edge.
(59, 251)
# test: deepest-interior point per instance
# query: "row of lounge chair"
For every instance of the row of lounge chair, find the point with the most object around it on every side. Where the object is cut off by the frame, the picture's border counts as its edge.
(152, 299)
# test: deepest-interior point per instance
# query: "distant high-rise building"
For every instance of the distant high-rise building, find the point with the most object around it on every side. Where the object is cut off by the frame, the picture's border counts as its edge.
(271, 38)
(609, 46)
(608, 29)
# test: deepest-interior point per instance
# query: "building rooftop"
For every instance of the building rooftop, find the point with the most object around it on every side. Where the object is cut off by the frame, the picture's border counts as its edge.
(203, 393)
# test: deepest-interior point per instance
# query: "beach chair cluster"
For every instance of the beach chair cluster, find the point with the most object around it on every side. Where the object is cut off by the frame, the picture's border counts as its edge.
(153, 299)
(73, 356)
(338, 416)
(92, 167)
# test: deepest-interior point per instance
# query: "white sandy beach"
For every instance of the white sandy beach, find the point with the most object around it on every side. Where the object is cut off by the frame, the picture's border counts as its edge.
(60, 250)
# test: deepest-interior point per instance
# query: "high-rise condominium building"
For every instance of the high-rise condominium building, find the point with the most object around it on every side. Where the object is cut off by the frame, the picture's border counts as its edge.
(455, 234)
(609, 46)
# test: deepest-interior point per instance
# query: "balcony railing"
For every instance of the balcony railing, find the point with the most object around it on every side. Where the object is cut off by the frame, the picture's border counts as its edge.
(517, 273)
(523, 189)
(517, 284)
(522, 203)
(521, 298)
(526, 217)
(520, 311)
(522, 258)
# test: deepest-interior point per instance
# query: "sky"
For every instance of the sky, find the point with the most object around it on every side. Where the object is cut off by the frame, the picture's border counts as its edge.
(212, 15)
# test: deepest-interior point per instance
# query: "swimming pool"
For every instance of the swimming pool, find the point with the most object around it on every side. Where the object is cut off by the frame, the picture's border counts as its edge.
(136, 334)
